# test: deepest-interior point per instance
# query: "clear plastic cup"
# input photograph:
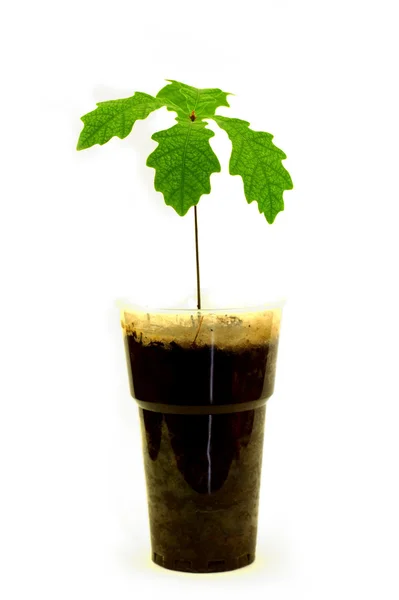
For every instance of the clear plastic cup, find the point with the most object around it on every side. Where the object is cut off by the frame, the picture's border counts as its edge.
(201, 379)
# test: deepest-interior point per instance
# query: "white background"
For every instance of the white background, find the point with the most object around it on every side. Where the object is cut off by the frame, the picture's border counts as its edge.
(80, 230)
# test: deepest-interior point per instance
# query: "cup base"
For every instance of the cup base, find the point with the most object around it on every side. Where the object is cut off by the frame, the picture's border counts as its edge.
(213, 566)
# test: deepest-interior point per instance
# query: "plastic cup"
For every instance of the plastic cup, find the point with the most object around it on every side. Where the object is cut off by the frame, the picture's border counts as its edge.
(201, 380)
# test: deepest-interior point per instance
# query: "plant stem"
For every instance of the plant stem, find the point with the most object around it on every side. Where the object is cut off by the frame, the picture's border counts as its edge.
(197, 260)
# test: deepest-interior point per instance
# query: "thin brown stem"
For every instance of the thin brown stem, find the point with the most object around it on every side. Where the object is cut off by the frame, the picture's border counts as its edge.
(197, 260)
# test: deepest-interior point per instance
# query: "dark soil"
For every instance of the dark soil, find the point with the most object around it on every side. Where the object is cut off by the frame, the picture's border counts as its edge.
(202, 471)
(199, 375)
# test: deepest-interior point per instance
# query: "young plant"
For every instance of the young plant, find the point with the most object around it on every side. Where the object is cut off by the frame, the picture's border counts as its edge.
(184, 160)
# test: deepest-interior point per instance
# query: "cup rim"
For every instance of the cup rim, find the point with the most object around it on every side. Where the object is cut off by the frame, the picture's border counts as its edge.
(126, 305)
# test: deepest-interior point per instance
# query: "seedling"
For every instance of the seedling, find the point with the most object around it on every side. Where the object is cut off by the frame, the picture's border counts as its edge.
(184, 160)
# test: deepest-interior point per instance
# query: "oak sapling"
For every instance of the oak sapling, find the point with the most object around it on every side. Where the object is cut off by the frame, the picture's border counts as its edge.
(184, 160)
(201, 377)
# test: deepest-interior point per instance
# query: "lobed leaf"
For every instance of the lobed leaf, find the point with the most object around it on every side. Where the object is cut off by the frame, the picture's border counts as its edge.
(183, 163)
(115, 118)
(258, 161)
(184, 99)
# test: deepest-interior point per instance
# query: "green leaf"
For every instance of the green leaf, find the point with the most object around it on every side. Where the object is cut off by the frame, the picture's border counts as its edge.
(183, 163)
(258, 161)
(185, 99)
(115, 118)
